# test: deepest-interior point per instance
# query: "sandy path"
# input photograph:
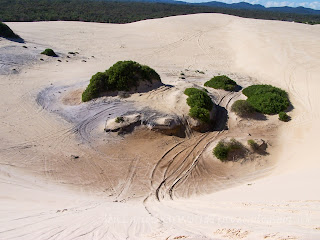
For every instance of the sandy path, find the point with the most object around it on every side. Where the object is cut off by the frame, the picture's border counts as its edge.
(47, 194)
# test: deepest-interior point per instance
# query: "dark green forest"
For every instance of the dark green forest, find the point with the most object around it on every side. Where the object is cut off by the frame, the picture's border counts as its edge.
(122, 12)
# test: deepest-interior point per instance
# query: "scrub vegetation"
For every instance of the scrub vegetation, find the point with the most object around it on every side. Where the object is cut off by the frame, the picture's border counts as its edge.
(242, 108)
(266, 98)
(221, 82)
(228, 150)
(284, 117)
(49, 52)
(122, 76)
(200, 104)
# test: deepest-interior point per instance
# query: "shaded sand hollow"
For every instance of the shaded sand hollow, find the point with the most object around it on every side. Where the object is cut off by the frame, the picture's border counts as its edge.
(63, 177)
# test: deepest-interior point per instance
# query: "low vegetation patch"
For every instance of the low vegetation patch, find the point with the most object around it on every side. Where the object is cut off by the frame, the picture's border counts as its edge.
(200, 104)
(49, 52)
(229, 150)
(122, 76)
(6, 32)
(284, 117)
(266, 98)
(119, 120)
(242, 108)
(221, 82)
(253, 145)
(98, 83)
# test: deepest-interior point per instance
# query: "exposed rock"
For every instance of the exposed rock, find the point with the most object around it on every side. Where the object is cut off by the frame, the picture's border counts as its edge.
(168, 125)
(125, 125)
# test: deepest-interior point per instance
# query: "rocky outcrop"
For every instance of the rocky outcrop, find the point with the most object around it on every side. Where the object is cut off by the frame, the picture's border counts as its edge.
(168, 126)
(123, 124)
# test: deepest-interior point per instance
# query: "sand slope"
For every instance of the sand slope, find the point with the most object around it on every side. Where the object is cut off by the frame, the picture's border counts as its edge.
(47, 194)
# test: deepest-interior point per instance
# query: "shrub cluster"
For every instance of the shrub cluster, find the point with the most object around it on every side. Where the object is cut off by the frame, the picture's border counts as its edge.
(224, 149)
(6, 32)
(242, 108)
(122, 76)
(200, 104)
(266, 98)
(221, 82)
(49, 52)
(284, 117)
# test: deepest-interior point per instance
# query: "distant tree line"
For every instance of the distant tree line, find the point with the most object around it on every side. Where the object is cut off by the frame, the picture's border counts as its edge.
(122, 12)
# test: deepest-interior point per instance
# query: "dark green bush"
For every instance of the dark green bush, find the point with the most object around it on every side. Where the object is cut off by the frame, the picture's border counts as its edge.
(201, 100)
(242, 108)
(98, 83)
(284, 117)
(191, 91)
(122, 76)
(200, 104)
(221, 82)
(221, 151)
(266, 98)
(49, 52)
(224, 149)
(200, 113)
(6, 32)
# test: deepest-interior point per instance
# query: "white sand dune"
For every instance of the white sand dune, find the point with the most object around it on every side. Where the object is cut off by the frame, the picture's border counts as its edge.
(47, 194)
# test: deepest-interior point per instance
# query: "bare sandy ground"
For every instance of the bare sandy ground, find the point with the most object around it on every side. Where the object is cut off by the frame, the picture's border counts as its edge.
(147, 185)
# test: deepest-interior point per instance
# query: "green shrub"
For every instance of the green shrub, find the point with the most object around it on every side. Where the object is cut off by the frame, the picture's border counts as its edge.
(119, 120)
(266, 98)
(201, 100)
(122, 76)
(221, 82)
(242, 108)
(253, 145)
(221, 151)
(191, 91)
(125, 75)
(6, 32)
(49, 52)
(200, 104)
(284, 117)
(224, 149)
(200, 113)
(98, 83)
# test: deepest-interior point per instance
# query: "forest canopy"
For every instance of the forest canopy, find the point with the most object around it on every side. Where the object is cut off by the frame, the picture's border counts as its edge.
(123, 12)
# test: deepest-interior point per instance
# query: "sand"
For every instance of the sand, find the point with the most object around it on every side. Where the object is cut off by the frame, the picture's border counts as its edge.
(63, 177)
